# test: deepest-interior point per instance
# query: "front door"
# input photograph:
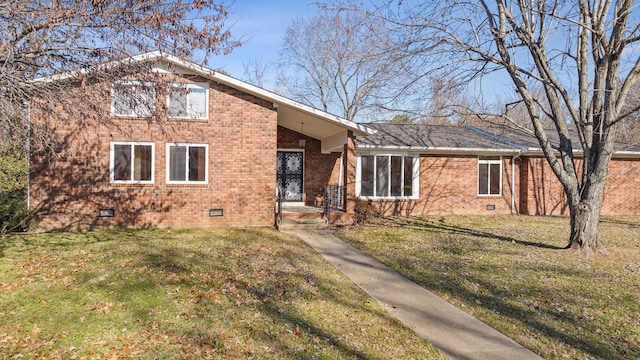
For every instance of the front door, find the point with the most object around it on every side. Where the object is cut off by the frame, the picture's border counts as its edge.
(290, 174)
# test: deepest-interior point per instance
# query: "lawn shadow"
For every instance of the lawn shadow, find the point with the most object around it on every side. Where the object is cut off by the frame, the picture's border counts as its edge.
(415, 223)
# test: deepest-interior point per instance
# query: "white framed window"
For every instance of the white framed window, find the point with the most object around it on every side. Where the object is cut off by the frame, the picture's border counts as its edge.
(188, 100)
(187, 163)
(489, 175)
(131, 162)
(133, 98)
(387, 176)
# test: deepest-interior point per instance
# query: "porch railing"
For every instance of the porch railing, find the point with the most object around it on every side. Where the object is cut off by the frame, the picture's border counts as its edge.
(278, 212)
(333, 199)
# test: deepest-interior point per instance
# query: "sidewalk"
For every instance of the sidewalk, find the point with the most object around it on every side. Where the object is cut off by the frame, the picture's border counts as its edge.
(454, 332)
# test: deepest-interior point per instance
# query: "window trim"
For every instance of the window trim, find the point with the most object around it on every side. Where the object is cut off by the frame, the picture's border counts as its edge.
(415, 183)
(131, 143)
(198, 85)
(187, 181)
(152, 108)
(488, 162)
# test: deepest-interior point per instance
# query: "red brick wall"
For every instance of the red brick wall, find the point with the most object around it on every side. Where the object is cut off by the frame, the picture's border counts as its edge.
(70, 182)
(545, 195)
(319, 169)
(449, 185)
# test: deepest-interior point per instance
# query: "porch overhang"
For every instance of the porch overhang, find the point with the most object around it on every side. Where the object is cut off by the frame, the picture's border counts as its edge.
(331, 130)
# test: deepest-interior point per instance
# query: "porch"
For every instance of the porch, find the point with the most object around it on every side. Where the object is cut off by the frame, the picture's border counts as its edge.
(326, 211)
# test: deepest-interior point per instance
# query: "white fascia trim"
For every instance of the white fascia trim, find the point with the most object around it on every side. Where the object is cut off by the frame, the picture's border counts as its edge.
(437, 150)
(150, 56)
(580, 153)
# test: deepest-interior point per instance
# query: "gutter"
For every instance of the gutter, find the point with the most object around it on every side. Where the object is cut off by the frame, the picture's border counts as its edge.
(439, 150)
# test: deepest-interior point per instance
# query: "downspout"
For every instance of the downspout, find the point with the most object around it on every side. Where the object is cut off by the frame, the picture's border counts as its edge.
(27, 116)
(341, 167)
(513, 182)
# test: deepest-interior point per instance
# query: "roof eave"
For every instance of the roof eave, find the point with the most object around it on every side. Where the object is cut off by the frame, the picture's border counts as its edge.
(439, 150)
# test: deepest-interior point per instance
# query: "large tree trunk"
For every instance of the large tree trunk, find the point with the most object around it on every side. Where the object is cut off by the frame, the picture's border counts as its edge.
(585, 217)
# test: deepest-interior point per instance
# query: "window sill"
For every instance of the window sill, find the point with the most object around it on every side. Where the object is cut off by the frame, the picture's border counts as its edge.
(388, 198)
(195, 184)
(188, 119)
(132, 183)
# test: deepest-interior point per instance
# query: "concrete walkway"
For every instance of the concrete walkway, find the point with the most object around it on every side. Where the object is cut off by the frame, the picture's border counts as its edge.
(454, 332)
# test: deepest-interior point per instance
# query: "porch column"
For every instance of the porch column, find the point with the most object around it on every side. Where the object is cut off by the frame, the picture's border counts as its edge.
(349, 175)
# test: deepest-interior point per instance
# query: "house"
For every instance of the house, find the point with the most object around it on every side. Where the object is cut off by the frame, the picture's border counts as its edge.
(172, 144)
(179, 145)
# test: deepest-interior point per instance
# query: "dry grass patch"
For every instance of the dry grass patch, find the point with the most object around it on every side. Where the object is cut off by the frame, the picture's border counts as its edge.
(187, 294)
(513, 274)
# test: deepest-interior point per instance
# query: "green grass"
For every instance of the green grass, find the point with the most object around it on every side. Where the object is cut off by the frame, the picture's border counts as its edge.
(235, 294)
(512, 273)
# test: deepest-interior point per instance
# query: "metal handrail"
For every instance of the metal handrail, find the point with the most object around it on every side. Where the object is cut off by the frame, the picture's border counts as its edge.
(278, 215)
(333, 199)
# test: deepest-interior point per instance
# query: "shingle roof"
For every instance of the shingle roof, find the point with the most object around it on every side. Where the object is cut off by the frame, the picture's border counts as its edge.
(530, 143)
(429, 137)
(448, 138)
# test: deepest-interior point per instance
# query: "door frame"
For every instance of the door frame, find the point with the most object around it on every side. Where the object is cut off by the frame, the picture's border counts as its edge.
(304, 161)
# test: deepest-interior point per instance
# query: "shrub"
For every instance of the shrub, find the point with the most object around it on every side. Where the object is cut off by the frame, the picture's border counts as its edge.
(364, 211)
(14, 214)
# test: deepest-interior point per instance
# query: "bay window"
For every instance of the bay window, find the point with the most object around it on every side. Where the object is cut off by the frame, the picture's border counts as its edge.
(387, 176)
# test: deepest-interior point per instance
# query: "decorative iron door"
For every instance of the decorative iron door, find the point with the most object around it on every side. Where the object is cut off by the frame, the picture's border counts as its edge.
(290, 174)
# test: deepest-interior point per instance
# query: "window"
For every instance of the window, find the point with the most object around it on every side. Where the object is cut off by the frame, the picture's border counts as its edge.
(188, 101)
(489, 175)
(387, 176)
(187, 163)
(131, 162)
(133, 98)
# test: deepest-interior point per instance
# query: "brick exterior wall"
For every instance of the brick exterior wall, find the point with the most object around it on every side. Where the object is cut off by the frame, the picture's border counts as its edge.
(545, 196)
(69, 182)
(449, 186)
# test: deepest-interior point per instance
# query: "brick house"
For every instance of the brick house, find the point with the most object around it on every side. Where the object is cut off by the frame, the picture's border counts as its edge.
(182, 146)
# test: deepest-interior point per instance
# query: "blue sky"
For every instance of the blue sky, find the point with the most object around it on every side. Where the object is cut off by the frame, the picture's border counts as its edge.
(261, 26)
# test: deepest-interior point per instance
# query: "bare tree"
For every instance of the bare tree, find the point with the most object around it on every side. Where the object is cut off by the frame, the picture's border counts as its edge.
(45, 37)
(340, 62)
(256, 71)
(582, 53)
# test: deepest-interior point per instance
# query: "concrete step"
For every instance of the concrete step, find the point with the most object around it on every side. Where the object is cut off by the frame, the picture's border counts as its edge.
(304, 224)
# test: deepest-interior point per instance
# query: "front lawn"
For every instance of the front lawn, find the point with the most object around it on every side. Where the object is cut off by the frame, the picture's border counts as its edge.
(512, 273)
(236, 294)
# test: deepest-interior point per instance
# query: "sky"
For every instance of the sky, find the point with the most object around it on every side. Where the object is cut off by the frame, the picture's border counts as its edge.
(260, 25)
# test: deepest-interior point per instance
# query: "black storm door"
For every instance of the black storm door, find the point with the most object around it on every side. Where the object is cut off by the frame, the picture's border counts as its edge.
(290, 174)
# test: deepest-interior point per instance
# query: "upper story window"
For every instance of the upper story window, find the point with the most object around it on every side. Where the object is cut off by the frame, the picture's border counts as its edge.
(131, 162)
(187, 163)
(490, 175)
(387, 176)
(188, 100)
(133, 98)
